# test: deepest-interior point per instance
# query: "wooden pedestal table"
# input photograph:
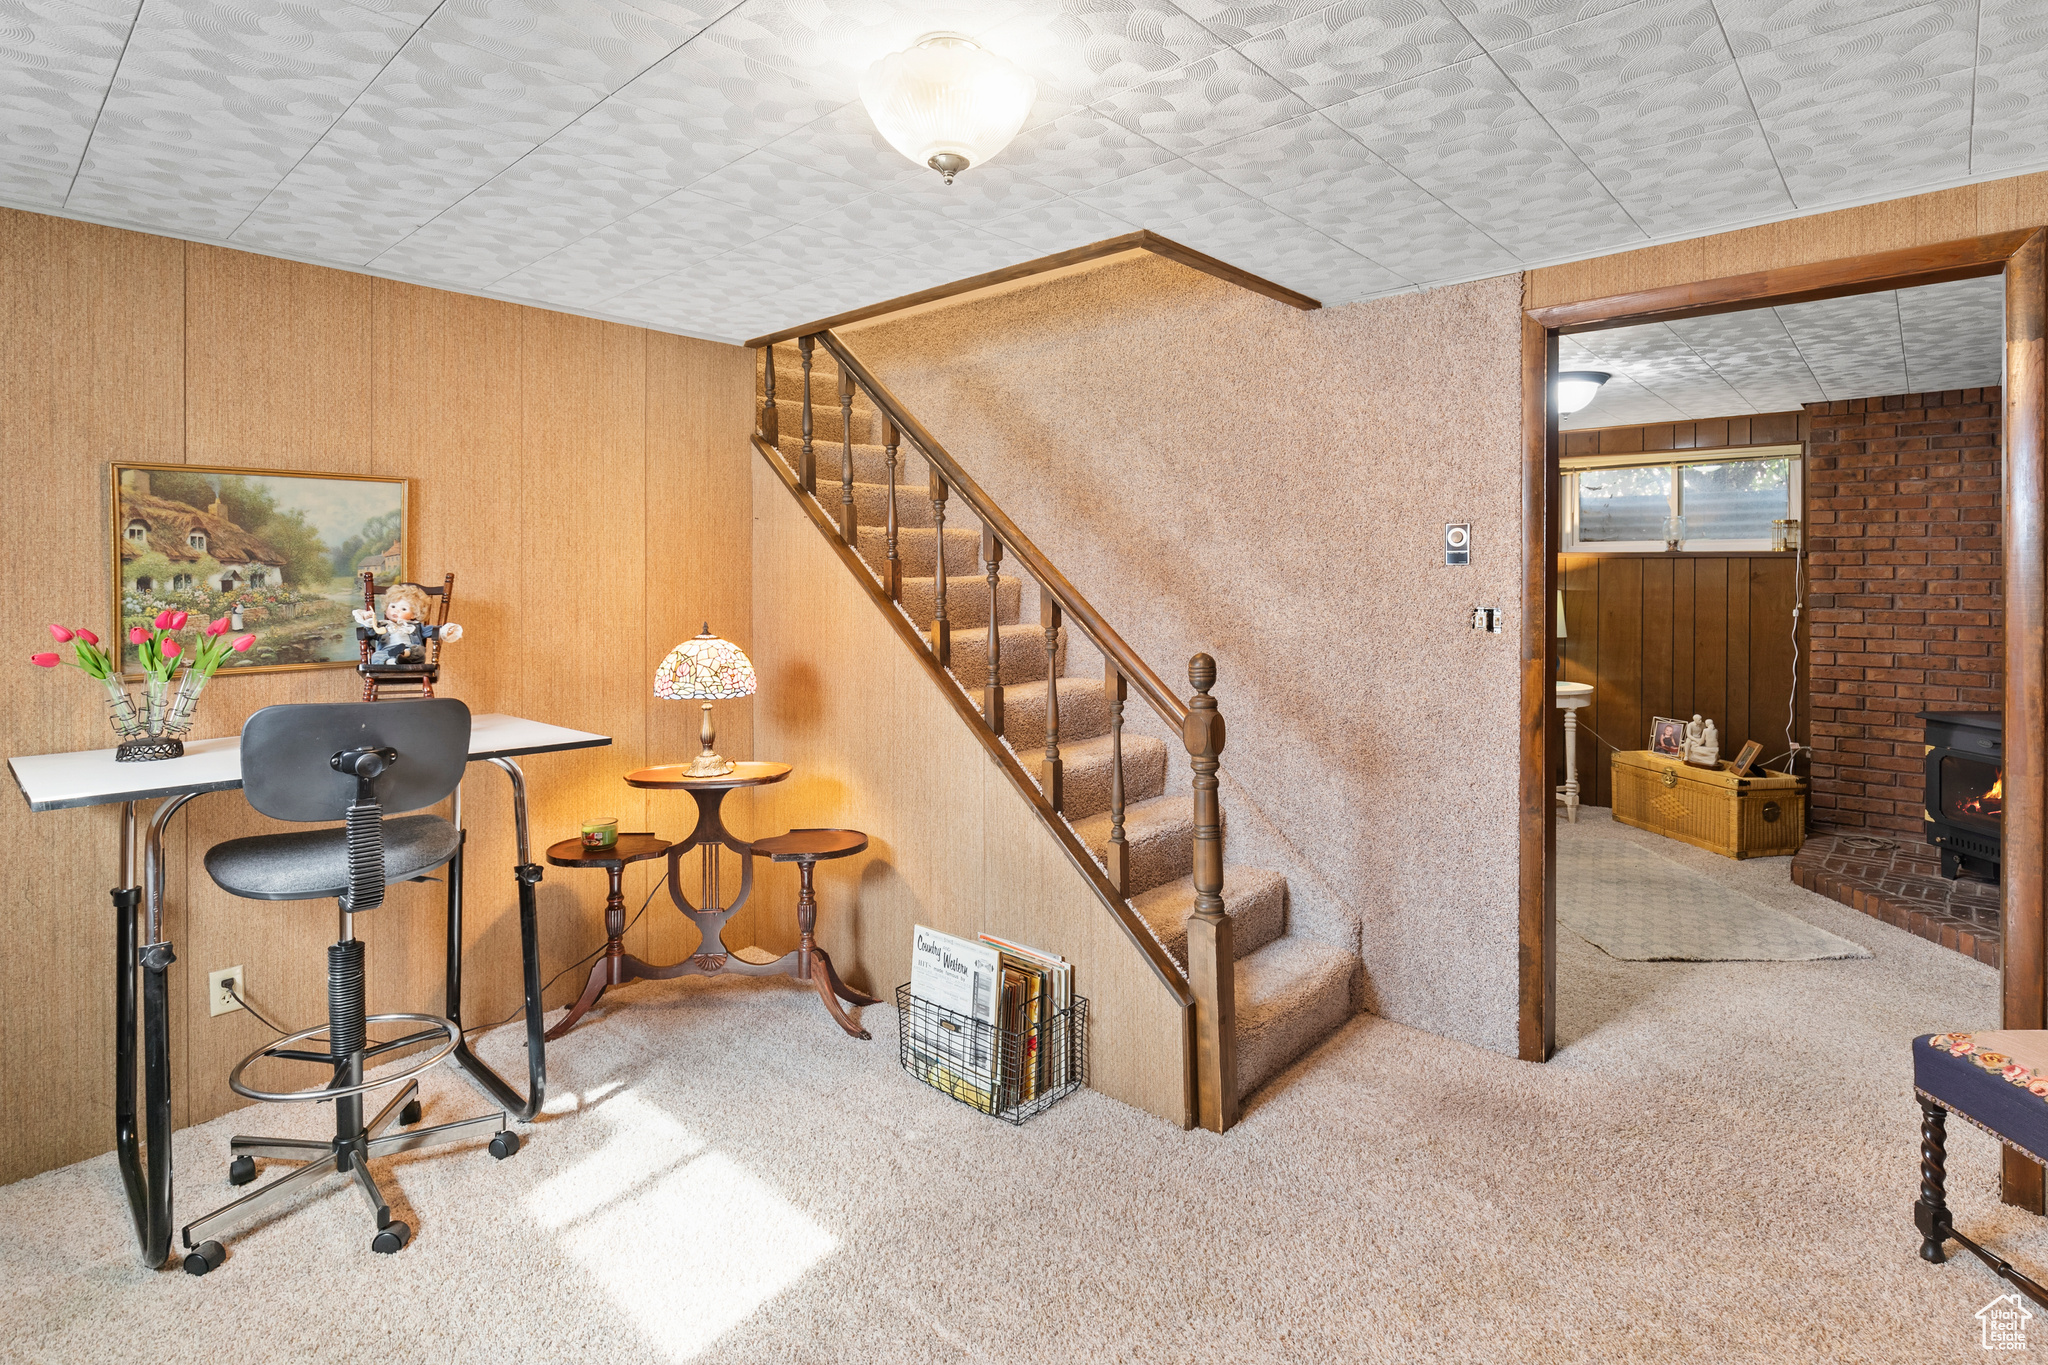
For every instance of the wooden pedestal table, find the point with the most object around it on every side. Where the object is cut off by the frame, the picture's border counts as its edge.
(712, 957)
(805, 847)
(1571, 696)
(616, 966)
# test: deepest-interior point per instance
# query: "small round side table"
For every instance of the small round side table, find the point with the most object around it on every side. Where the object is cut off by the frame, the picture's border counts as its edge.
(806, 848)
(615, 967)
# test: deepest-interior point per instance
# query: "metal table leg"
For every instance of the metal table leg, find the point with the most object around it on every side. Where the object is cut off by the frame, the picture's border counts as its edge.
(127, 1137)
(149, 1188)
(528, 874)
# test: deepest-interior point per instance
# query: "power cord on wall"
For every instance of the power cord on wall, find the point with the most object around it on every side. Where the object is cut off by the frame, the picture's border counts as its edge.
(235, 995)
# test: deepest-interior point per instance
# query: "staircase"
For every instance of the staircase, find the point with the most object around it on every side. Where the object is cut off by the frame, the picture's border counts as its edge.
(1109, 785)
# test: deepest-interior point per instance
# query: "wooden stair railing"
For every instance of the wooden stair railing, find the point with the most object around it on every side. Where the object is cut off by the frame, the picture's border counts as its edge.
(1209, 985)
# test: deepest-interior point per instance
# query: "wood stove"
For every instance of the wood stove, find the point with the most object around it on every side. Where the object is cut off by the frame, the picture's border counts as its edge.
(1965, 793)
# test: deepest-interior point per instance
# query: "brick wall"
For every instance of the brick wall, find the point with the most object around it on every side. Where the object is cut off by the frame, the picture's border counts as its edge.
(1904, 603)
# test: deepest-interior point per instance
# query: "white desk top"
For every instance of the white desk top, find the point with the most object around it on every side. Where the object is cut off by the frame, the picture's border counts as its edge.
(91, 777)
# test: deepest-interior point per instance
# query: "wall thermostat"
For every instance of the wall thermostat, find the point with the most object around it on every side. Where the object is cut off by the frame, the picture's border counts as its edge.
(1458, 543)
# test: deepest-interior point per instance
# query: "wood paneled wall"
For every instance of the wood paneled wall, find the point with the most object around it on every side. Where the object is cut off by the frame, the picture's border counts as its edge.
(586, 482)
(1721, 433)
(1677, 635)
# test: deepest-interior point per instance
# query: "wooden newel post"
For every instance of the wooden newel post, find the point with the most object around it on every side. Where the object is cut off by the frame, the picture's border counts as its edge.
(771, 420)
(1212, 960)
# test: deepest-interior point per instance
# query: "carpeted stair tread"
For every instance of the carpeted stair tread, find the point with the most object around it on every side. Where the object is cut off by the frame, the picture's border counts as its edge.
(1291, 994)
(1023, 655)
(825, 426)
(966, 602)
(1084, 712)
(1255, 898)
(870, 465)
(1160, 834)
(871, 501)
(1085, 775)
(915, 550)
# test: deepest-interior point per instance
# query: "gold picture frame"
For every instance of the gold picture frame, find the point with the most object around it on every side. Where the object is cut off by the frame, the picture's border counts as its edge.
(170, 552)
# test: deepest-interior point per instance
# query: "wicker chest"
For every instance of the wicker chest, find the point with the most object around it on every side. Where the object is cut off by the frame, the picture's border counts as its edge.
(1759, 816)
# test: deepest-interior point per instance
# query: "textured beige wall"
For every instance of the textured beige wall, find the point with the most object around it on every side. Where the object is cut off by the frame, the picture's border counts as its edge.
(1217, 471)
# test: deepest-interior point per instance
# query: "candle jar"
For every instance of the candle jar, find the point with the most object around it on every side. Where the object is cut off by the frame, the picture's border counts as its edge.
(601, 834)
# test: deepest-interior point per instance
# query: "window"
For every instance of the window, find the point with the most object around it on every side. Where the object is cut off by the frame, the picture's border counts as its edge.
(1728, 499)
(138, 531)
(197, 540)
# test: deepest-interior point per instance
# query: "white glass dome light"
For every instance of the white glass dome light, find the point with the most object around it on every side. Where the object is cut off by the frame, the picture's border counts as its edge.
(947, 102)
(1576, 388)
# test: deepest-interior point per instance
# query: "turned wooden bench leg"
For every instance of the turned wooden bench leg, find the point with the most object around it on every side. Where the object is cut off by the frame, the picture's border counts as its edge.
(1930, 1211)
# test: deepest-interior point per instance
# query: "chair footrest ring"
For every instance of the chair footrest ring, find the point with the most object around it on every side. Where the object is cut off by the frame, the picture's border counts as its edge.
(451, 1037)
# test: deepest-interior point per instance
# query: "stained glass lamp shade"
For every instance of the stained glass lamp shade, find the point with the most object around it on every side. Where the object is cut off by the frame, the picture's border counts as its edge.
(705, 669)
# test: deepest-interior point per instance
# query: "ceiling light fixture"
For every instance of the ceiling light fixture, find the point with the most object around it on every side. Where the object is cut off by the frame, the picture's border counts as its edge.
(947, 102)
(1576, 388)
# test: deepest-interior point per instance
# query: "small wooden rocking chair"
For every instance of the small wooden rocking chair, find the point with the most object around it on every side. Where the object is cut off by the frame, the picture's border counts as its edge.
(383, 682)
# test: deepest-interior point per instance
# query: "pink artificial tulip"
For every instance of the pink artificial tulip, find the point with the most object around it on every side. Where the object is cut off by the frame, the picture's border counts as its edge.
(171, 649)
(58, 633)
(219, 627)
(178, 621)
(43, 660)
(242, 643)
(163, 619)
(86, 635)
(137, 635)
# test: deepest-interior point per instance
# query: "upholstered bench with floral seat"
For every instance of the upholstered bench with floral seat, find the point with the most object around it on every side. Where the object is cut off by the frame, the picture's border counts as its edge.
(1997, 1080)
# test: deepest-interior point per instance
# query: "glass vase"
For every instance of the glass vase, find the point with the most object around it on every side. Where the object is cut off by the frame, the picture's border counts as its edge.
(156, 698)
(184, 704)
(121, 710)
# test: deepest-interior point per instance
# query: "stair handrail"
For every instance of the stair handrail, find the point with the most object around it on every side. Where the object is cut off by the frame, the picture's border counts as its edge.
(1170, 708)
(1209, 979)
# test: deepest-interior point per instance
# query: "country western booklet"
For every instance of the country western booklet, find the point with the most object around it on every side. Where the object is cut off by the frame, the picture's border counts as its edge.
(963, 978)
(1037, 985)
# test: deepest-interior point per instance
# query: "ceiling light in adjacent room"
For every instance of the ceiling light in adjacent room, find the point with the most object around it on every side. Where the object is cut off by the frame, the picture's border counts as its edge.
(1576, 388)
(947, 102)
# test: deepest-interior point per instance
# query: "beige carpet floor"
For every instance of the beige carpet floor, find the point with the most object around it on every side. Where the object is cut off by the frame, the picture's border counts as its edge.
(1717, 1166)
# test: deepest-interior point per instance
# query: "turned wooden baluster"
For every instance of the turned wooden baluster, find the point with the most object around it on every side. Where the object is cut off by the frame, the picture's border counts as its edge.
(1052, 773)
(807, 463)
(849, 528)
(771, 419)
(1212, 960)
(942, 629)
(992, 695)
(892, 571)
(1118, 854)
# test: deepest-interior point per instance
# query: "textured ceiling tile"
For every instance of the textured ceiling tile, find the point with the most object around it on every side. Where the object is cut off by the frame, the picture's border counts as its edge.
(56, 62)
(1063, 224)
(1235, 22)
(1308, 261)
(1339, 53)
(1755, 25)
(886, 225)
(1828, 155)
(982, 195)
(1954, 334)
(1180, 199)
(767, 184)
(1524, 188)
(1203, 103)
(1751, 350)
(664, 237)
(834, 41)
(1499, 23)
(1649, 41)
(1090, 49)
(722, 95)
(1915, 62)
(1638, 117)
(845, 143)
(1621, 402)
(639, 141)
(604, 43)
(1303, 158)
(1671, 179)
(1444, 106)
(1852, 345)
(1078, 152)
(2010, 129)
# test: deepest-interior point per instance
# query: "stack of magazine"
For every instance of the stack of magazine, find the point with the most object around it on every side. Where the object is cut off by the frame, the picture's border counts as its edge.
(993, 1041)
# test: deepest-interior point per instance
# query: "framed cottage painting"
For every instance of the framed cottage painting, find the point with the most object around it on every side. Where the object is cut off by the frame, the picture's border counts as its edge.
(276, 553)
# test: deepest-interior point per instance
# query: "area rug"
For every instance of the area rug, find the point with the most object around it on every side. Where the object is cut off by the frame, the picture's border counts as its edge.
(1633, 905)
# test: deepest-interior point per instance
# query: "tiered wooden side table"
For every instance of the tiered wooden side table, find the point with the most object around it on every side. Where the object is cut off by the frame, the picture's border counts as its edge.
(805, 848)
(616, 966)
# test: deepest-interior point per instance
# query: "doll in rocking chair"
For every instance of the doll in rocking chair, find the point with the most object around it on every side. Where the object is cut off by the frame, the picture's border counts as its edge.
(400, 639)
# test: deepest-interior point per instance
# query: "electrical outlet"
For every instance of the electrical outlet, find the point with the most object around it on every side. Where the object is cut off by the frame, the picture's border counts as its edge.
(218, 1001)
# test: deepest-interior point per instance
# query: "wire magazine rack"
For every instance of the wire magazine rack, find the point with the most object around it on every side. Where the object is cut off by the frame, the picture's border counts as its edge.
(1009, 1073)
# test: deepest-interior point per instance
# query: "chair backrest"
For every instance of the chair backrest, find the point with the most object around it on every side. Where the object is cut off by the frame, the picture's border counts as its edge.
(288, 752)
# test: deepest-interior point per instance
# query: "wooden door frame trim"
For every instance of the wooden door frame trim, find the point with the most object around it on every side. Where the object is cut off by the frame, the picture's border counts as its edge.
(2022, 258)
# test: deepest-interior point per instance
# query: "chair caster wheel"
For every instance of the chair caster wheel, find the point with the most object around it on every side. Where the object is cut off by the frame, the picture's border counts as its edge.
(391, 1239)
(409, 1115)
(241, 1170)
(204, 1257)
(504, 1144)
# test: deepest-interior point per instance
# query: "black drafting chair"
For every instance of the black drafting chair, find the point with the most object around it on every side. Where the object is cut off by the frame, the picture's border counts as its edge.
(353, 761)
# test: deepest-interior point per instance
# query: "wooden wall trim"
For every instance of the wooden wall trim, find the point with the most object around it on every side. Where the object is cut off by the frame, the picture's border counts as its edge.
(1670, 438)
(2023, 875)
(1536, 1032)
(1064, 260)
(1909, 266)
